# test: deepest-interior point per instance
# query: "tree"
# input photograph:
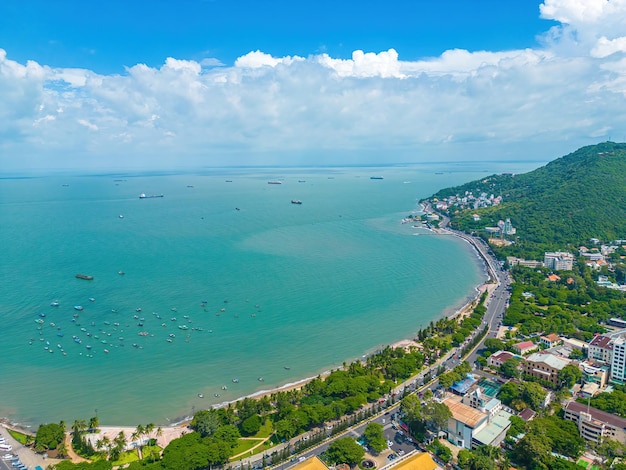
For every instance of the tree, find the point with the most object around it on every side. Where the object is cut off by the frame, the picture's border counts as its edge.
(576, 354)
(510, 368)
(206, 422)
(345, 450)
(532, 450)
(251, 425)
(569, 375)
(49, 436)
(436, 415)
(94, 422)
(374, 437)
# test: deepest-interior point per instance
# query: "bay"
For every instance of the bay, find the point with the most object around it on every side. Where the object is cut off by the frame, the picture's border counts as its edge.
(223, 278)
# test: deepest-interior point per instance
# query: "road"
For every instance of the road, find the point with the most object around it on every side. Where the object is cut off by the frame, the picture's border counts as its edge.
(496, 305)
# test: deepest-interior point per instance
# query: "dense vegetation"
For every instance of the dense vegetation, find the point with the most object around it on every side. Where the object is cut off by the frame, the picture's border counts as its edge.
(564, 203)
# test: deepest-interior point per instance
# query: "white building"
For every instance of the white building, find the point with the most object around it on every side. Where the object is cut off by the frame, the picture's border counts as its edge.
(618, 362)
(559, 261)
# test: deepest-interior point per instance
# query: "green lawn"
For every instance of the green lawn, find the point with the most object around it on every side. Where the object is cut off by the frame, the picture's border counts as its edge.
(18, 436)
(266, 430)
(246, 444)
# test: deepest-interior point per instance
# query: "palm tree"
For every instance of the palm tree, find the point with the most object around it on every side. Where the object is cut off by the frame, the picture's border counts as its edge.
(93, 424)
(139, 432)
(78, 427)
(148, 430)
(159, 432)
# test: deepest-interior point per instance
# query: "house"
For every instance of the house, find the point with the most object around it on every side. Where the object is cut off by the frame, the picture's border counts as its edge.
(464, 423)
(544, 366)
(550, 340)
(596, 425)
(525, 347)
(573, 343)
(313, 463)
(527, 414)
(498, 358)
(553, 278)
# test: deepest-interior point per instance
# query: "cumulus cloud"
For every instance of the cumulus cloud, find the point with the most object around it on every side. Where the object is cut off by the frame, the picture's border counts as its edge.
(568, 91)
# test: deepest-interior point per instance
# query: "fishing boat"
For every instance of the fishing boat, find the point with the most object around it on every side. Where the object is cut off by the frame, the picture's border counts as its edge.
(86, 277)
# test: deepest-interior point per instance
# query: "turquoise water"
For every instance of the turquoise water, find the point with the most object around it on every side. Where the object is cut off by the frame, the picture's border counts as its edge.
(273, 290)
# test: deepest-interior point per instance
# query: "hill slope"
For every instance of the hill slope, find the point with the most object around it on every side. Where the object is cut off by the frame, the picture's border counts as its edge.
(570, 200)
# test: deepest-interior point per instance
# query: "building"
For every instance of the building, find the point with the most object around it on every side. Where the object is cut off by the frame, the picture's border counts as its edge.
(498, 358)
(528, 263)
(595, 425)
(559, 260)
(494, 433)
(527, 414)
(601, 349)
(312, 463)
(594, 372)
(465, 422)
(480, 401)
(573, 343)
(550, 340)
(618, 361)
(525, 347)
(421, 461)
(544, 366)
(462, 386)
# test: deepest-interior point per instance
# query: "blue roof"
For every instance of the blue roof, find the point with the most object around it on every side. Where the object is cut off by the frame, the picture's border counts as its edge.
(462, 386)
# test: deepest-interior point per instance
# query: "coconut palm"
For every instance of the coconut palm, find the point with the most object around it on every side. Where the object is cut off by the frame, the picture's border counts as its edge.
(93, 424)
(148, 430)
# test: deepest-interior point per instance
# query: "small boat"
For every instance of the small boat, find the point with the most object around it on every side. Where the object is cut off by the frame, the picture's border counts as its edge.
(173, 319)
(121, 273)
(261, 379)
(224, 387)
(91, 299)
(216, 395)
(87, 277)
(200, 395)
(144, 196)
(54, 304)
(235, 380)
(376, 177)
(138, 309)
(237, 209)
(296, 201)
(274, 182)
(121, 216)
(287, 368)
(78, 307)
(42, 315)
(106, 351)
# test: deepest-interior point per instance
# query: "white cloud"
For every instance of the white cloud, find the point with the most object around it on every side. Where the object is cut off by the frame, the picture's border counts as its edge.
(566, 92)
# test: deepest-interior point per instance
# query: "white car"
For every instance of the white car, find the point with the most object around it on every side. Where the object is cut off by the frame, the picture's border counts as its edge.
(7, 456)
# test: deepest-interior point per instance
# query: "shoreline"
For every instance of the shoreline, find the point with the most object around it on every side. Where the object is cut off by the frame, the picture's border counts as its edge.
(450, 312)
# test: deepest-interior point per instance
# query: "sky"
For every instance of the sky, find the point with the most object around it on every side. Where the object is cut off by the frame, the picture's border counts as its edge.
(122, 84)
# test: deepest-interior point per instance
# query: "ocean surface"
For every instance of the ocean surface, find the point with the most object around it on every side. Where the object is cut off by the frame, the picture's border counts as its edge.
(221, 287)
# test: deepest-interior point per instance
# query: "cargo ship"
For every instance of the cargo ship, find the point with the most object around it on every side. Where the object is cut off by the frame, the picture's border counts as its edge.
(144, 196)
(85, 276)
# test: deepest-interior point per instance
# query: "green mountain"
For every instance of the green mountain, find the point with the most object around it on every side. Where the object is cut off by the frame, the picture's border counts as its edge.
(562, 204)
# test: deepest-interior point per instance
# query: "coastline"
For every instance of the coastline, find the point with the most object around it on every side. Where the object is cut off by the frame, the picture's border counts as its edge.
(406, 343)
(450, 312)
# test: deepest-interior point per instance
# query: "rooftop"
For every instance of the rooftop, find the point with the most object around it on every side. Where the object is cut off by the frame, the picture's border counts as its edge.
(597, 414)
(311, 464)
(421, 461)
(549, 359)
(465, 414)
(525, 345)
(499, 423)
(527, 414)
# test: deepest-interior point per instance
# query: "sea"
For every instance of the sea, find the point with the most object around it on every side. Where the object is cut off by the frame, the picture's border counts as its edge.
(220, 289)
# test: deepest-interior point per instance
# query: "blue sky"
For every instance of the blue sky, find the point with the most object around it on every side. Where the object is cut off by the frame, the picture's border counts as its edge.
(163, 84)
(106, 36)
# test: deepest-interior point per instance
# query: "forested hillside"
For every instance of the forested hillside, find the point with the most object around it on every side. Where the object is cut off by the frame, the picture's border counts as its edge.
(570, 200)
